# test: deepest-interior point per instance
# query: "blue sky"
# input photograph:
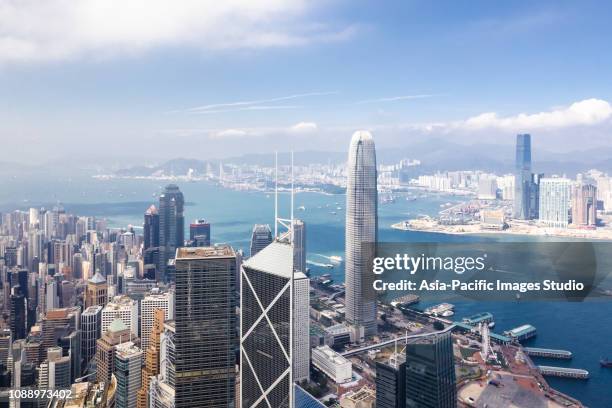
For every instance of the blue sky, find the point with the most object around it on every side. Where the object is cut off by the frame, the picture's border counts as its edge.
(153, 79)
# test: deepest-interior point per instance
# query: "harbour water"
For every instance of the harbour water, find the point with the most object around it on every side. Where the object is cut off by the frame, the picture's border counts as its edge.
(583, 328)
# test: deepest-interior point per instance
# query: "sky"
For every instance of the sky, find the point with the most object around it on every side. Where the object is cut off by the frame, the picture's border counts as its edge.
(147, 80)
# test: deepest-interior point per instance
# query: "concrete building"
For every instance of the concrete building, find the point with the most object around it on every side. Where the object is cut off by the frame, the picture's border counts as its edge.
(584, 206)
(151, 302)
(554, 202)
(128, 362)
(333, 364)
(91, 331)
(124, 308)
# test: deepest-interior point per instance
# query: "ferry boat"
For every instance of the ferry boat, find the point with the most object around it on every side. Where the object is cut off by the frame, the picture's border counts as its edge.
(335, 258)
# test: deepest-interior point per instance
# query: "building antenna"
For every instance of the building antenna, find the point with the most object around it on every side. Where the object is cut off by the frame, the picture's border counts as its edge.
(275, 194)
(292, 194)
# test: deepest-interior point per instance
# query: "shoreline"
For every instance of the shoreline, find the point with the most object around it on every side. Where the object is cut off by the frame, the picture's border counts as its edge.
(514, 230)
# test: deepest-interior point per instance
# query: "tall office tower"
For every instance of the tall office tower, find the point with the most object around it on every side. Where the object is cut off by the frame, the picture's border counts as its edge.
(34, 215)
(148, 307)
(430, 372)
(124, 308)
(57, 323)
(17, 314)
(5, 345)
(128, 362)
(205, 319)
(91, 331)
(152, 354)
(199, 233)
(116, 334)
(171, 225)
(584, 205)
(161, 390)
(261, 237)
(391, 382)
(301, 326)
(522, 177)
(299, 245)
(151, 228)
(266, 355)
(55, 370)
(70, 342)
(361, 235)
(554, 201)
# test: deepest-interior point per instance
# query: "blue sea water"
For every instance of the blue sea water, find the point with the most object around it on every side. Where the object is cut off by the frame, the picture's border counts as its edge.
(583, 328)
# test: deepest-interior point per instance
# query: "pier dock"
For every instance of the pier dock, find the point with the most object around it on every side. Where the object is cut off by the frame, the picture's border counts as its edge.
(564, 372)
(549, 353)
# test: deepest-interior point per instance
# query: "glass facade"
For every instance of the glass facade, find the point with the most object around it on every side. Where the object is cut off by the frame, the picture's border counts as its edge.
(205, 324)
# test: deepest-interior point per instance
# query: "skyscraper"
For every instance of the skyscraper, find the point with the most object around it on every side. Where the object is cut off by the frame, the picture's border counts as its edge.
(299, 245)
(430, 372)
(116, 334)
(128, 361)
(97, 291)
(152, 354)
(391, 383)
(124, 308)
(554, 202)
(584, 206)
(171, 225)
(91, 321)
(205, 339)
(266, 327)
(361, 234)
(148, 306)
(522, 177)
(151, 228)
(199, 233)
(260, 238)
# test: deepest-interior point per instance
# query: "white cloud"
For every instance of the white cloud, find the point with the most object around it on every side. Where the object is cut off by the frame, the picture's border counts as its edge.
(228, 134)
(583, 113)
(394, 98)
(304, 127)
(39, 30)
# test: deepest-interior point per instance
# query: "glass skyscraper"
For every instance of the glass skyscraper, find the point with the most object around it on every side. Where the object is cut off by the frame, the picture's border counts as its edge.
(205, 324)
(430, 372)
(171, 225)
(266, 327)
(522, 177)
(260, 238)
(361, 234)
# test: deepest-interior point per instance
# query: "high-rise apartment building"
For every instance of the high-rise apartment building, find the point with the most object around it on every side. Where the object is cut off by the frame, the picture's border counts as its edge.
(430, 372)
(205, 320)
(584, 206)
(261, 237)
(554, 201)
(361, 234)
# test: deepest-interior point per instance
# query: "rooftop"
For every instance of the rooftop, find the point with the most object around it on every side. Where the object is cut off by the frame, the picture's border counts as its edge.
(276, 259)
(97, 279)
(217, 251)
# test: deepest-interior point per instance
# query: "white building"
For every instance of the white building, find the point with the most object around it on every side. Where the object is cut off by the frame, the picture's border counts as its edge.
(555, 202)
(148, 305)
(506, 185)
(487, 188)
(124, 308)
(333, 364)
